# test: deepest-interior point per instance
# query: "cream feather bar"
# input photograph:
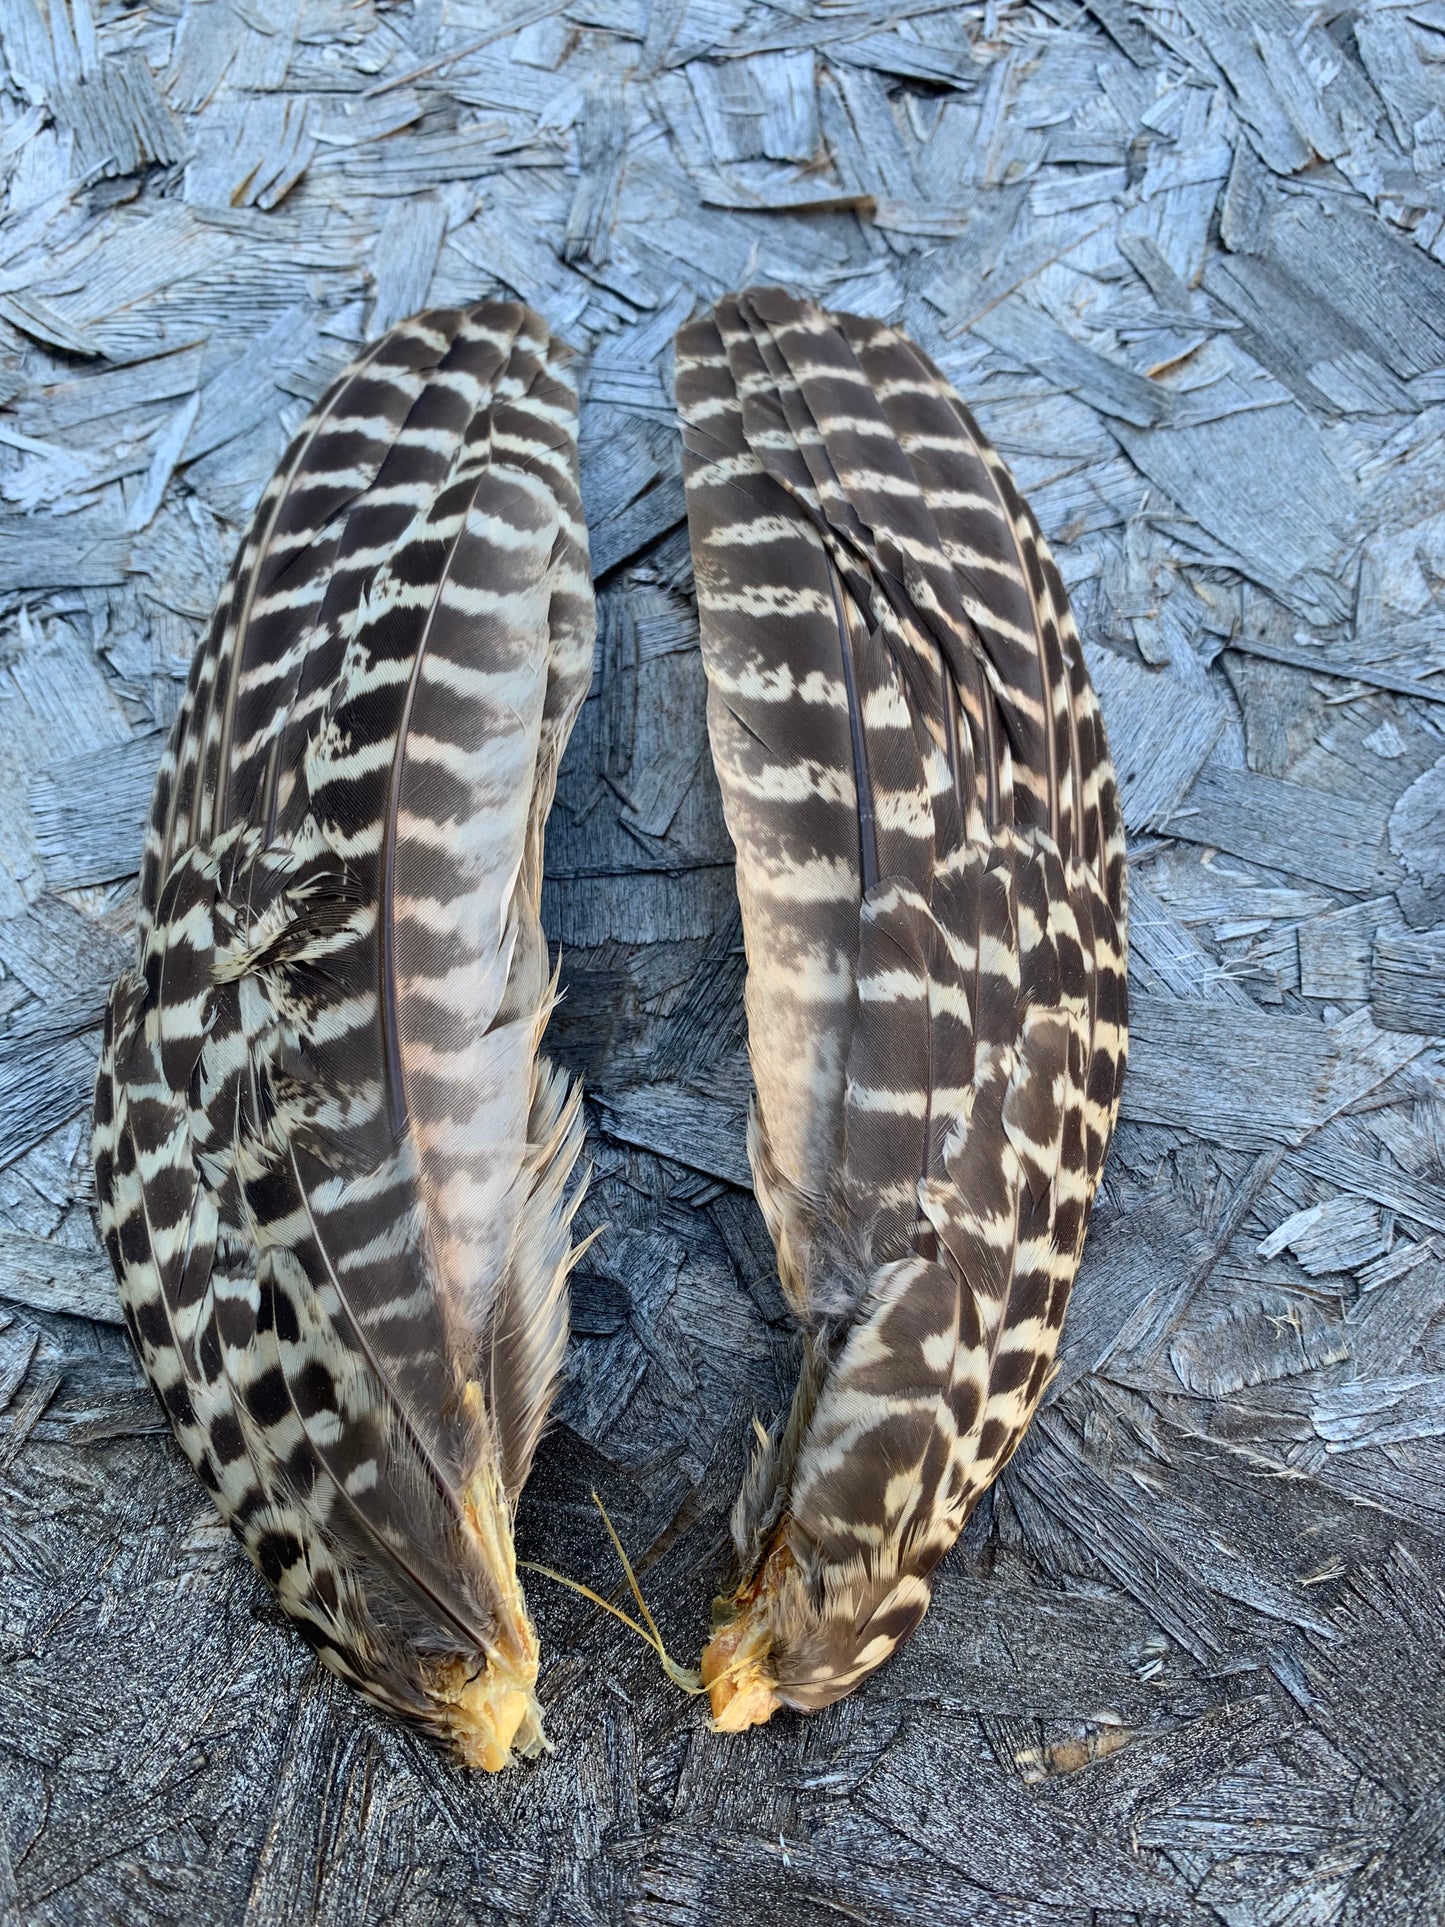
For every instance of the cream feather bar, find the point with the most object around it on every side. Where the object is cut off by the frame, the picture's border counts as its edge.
(333, 1167)
(930, 862)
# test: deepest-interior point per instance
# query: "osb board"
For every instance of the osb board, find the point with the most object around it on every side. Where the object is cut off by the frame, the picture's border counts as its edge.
(1185, 262)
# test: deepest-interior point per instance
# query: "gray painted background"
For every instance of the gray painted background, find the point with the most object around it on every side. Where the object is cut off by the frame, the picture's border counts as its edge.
(1184, 259)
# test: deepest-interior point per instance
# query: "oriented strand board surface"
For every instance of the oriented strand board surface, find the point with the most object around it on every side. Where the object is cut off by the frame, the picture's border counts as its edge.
(1184, 257)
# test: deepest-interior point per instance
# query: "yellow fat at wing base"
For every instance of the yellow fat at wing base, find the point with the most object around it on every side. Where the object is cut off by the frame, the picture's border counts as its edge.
(736, 1665)
(493, 1716)
(734, 1671)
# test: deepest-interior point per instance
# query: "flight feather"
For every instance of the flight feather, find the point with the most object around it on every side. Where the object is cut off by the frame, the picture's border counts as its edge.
(332, 1165)
(930, 863)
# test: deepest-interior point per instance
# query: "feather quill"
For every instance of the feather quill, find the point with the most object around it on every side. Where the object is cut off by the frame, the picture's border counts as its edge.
(930, 862)
(333, 1168)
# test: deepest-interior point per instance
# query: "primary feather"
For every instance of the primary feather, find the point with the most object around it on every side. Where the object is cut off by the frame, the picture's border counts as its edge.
(930, 866)
(332, 1165)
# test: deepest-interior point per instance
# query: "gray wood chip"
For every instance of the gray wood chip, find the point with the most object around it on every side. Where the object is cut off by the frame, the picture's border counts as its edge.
(90, 813)
(1334, 839)
(1407, 983)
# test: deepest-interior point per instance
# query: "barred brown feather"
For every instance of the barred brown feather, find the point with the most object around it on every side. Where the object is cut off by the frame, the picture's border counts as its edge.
(332, 1166)
(930, 862)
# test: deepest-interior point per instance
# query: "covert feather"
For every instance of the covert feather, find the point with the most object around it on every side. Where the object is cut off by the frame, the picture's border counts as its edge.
(332, 1165)
(930, 863)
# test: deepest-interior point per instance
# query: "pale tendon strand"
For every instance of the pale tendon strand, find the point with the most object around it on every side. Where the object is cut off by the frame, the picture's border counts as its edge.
(685, 1677)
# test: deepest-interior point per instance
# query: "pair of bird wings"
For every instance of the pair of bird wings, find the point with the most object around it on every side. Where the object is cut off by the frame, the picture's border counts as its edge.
(333, 1165)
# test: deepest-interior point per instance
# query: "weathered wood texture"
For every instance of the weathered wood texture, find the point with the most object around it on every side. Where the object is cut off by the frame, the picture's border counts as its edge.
(1185, 259)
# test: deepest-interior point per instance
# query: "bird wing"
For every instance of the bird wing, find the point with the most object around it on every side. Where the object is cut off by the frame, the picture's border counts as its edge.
(332, 1164)
(930, 867)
